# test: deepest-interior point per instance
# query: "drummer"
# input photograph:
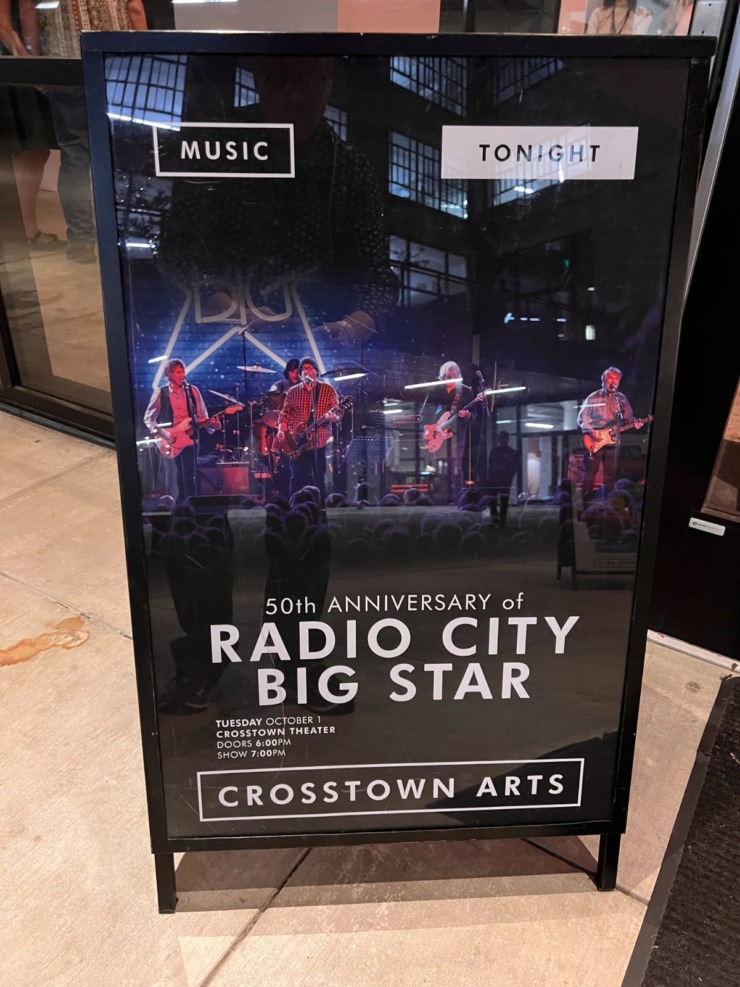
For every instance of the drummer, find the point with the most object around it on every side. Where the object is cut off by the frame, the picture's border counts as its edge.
(274, 401)
(291, 377)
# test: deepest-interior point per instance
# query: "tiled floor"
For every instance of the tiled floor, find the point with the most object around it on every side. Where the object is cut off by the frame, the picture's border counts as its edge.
(77, 878)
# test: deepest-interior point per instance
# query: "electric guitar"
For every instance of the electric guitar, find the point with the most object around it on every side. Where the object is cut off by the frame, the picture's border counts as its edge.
(608, 436)
(295, 442)
(437, 434)
(173, 439)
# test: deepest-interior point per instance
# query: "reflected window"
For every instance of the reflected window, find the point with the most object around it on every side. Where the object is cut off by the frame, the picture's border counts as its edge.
(245, 94)
(440, 80)
(337, 119)
(426, 273)
(146, 89)
(508, 189)
(414, 174)
(514, 75)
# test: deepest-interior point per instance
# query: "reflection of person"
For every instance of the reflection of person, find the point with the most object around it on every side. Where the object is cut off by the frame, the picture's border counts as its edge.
(503, 462)
(25, 122)
(305, 404)
(57, 33)
(619, 17)
(169, 407)
(676, 18)
(602, 411)
(318, 236)
(454, 401)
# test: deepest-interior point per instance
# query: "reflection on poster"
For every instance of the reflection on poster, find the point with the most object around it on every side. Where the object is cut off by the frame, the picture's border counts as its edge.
(669, 19)
(723, 494)
(381, 409)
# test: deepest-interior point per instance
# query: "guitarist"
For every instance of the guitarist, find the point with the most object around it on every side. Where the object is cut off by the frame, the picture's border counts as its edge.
(453, 400)
(171, 404)
(602, 409)
(305, 403)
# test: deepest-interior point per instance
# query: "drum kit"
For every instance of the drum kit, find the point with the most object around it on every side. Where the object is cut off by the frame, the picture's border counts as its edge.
(249, 438)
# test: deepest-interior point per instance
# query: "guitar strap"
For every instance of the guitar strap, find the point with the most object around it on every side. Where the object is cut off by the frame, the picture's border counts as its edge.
(193, 413)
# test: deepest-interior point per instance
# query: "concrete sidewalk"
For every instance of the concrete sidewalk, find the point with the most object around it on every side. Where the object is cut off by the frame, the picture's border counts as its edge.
(78, 892)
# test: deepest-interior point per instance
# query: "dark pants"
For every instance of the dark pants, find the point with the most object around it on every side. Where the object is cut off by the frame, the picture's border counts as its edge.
(186, 480)
(500, 502)
(608, 455)
(70, 126)
(309, 469)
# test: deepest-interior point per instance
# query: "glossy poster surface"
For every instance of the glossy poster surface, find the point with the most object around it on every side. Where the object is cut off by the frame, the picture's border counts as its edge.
(393, 326)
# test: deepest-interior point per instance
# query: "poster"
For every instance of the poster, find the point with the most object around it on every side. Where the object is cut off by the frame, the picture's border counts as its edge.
(374, 304)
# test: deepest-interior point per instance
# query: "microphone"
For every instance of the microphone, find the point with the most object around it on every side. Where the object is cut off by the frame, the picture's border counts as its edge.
(308, 380)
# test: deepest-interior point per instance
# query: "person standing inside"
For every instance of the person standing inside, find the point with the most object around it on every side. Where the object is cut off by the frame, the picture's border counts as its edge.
(619, 17)
(603, 415)
(56, 31)
(503, 462)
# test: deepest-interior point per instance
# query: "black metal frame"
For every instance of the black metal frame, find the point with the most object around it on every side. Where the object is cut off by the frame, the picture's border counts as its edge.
(94, 48)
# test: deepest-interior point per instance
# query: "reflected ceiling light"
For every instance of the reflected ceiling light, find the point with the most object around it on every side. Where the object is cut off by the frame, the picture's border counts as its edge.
(433, 383)
(157, 359)
(591, 288)
(561, 320)
(393, 411)
(538, 425)
(526, 189)
(504, 390)
(350, 376)
(47, 5)
(509, 317)
(504, 421)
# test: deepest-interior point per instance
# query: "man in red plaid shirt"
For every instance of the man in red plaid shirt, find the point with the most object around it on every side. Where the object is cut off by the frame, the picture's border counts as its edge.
(306, 403)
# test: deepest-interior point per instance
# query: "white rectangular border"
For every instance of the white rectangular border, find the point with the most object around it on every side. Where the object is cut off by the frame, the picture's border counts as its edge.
(460, 154)
(219, 174)
(391, 812)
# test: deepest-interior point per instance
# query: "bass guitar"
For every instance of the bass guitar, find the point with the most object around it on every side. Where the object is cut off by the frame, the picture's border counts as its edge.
(172, 439)
(437, 434)
(297, 441)
(608, 436)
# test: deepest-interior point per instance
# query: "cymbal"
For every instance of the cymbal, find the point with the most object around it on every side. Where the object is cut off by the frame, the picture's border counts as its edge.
(350, 368)
(255, 368)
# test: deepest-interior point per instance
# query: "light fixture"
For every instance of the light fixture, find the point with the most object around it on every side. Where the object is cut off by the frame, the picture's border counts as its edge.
(504, 390)
(538, 425)
(432, 383)
(350, 376)
(157, 359)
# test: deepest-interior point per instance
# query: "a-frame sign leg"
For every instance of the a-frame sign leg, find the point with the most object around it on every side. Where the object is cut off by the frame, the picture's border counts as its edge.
(606, 868)
(164, 867)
